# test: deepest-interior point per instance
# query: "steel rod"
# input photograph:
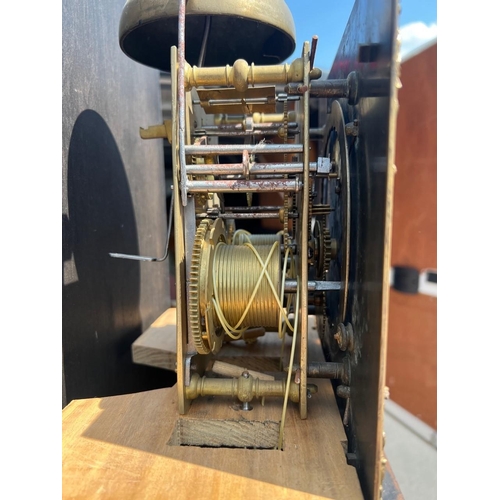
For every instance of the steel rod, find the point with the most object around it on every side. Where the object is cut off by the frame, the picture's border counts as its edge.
(260, 208)
(239, 127)
(323, 369)
(291, 286)
(253, 168)
(237, 149)
(237, 130)
(257, 215)
(253, 186)
(316, 133)
(244, 100)
(323, 88)
(314, 44)
(243, 133)
(203, 50)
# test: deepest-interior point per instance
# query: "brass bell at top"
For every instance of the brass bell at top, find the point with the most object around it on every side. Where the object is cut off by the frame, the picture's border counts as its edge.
(259, 31)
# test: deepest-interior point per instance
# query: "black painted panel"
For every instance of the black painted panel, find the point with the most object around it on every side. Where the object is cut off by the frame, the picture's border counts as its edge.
(113, 201)
(368, 47)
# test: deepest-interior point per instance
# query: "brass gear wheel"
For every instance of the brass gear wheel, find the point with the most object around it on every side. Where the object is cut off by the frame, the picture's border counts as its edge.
(327, 250)
(327, 257)
(207, 338)
(294, 220)
(321, 244)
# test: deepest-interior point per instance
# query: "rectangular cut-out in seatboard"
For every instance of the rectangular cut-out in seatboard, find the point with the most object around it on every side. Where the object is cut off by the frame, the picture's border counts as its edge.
(220, 422)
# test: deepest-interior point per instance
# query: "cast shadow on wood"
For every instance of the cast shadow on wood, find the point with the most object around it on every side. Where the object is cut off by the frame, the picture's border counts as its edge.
(101, 316)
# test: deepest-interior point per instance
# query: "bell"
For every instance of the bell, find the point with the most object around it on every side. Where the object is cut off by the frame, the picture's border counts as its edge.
(259, 31)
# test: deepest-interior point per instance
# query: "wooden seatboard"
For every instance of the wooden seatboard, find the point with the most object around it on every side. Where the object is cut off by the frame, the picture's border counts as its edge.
(231, 370)
(157, 347)
(129, 446)
(117, 447)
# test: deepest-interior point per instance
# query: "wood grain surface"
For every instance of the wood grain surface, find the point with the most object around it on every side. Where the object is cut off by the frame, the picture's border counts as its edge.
(129, 447)
(157, 345)
(118, 447)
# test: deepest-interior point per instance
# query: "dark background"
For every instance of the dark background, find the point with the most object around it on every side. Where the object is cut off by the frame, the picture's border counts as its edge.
(113, 201)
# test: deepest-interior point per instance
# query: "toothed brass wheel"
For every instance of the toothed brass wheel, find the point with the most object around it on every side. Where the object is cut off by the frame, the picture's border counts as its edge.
(322, 248)
(207, 338)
